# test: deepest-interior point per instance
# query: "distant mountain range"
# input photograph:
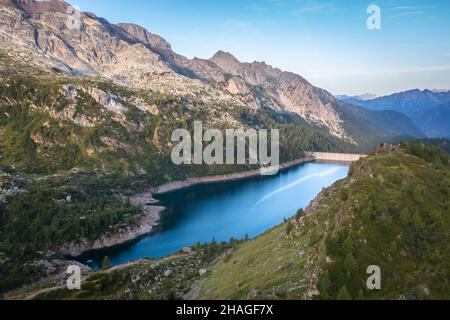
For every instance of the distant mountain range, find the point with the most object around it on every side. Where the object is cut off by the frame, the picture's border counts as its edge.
(435, 122)
(429, 110)
(366, 96)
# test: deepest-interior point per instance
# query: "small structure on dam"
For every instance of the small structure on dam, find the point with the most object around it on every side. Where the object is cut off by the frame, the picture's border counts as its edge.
(341, 157)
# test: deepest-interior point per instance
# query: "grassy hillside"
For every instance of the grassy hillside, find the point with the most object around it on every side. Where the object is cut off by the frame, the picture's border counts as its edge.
(48, 126)
(370, 127)
(94, 141)
(392, 211)
(443, 144)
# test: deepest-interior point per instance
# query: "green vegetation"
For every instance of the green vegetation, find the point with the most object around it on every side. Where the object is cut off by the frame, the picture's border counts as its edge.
(399, 207)
(61, 143)
(296, 135)
(68, 155)
(45, 129)
(343, 294)
(443, 144)
(167, 279)
(106, 263)
(53, 212)
(393, 211)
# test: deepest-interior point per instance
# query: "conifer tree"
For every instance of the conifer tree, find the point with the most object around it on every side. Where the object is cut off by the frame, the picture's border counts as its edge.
(106, 263)
(344, 294)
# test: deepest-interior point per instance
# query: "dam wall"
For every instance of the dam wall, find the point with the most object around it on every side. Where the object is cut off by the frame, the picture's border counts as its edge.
(340, 157)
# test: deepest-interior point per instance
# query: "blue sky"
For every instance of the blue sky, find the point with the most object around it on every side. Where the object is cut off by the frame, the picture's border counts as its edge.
(327, 42)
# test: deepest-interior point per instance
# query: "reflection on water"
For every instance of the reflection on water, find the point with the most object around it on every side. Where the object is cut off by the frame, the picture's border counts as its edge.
(225, 210)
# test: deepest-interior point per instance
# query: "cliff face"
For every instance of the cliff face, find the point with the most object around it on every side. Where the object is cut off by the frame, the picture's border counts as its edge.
(36, 6)
(53, 36)
(74, 41)
(292, 92)
(57, 35)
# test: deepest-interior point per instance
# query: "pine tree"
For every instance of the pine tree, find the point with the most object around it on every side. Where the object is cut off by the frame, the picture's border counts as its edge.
(405, 216)
(344, 295)
(350, 265)
(299, 215)
(418, 222)
(324, 285)
(106, 263)
(198, 247)
(344, 195)
(289, 228)
(214, 246)
(361, 295)
(393, 247)
(348, 245)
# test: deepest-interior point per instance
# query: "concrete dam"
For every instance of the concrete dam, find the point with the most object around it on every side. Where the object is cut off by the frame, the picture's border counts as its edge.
(340, 157)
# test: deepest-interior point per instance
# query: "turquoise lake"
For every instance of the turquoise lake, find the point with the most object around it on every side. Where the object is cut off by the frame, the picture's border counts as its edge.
(224, 210)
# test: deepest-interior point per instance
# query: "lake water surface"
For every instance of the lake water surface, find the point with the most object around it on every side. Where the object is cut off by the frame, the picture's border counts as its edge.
(224, 210)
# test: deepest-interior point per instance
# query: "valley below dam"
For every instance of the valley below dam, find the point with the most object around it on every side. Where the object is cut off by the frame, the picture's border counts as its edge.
(225, 210)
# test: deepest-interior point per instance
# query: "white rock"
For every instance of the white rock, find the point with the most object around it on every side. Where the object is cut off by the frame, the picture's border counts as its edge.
(167, 273)
(187, 250)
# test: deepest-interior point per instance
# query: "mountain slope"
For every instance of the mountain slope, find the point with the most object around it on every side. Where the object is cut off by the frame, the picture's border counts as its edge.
(393, 211)
(349, 99)
(87, 114)
(443, 144)
(408, 102)
(427, 109)
(372, 126)
(435, 122)
(292, 92)
(134, 56)
(97, 144)
(131, 56)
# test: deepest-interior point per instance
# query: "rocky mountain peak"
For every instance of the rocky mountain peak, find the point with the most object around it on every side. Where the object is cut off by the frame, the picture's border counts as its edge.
(142, 35)
(440, 90)
(133, 56)
(227, 62)
(36, 6)
(257, 72)
(224, 56)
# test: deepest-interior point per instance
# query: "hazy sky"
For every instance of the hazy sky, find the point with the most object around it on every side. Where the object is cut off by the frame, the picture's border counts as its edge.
(327, 41)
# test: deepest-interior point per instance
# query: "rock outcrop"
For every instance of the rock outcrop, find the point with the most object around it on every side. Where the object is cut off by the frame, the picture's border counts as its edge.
(58, 36)
(145, 226)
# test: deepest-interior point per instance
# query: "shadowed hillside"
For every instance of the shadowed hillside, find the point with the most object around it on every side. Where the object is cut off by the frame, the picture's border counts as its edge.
(392, 211)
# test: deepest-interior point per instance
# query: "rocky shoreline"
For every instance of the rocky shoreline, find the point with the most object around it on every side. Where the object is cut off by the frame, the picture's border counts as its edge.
(152, 213)
(179, 185)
